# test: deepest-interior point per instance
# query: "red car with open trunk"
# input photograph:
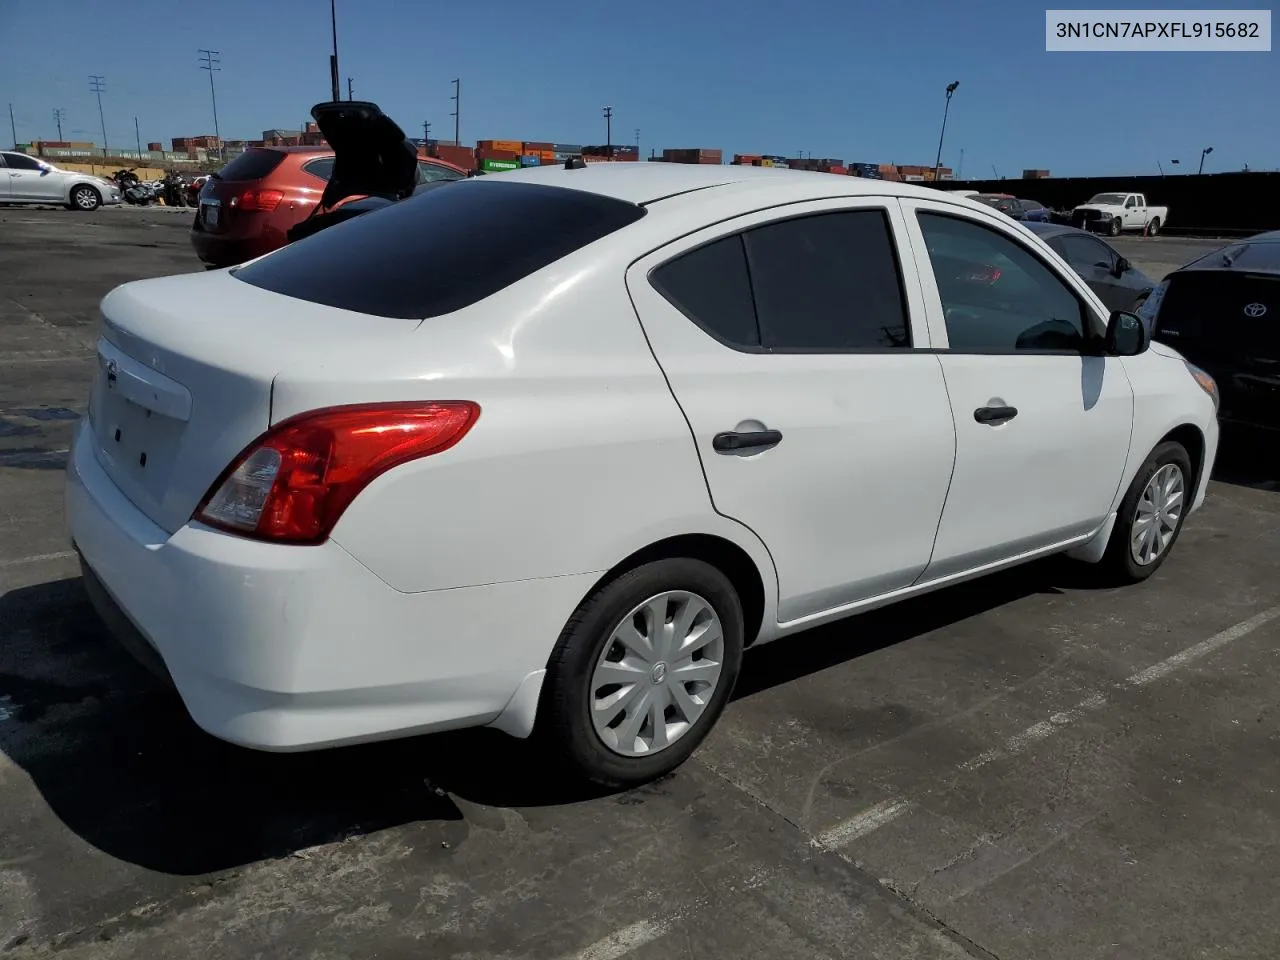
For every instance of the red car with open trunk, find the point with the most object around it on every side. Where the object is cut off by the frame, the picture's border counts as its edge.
(249, 206)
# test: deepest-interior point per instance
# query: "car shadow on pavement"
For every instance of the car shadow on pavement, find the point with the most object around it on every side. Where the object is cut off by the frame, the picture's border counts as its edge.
(1248, 458)
(116, 758)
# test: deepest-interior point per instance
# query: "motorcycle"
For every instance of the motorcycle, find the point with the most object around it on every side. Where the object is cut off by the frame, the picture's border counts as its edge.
(132, 188)
(174, 189)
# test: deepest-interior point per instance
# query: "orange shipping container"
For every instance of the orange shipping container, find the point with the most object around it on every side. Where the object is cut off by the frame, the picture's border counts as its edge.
(495, 154)
(504, 146)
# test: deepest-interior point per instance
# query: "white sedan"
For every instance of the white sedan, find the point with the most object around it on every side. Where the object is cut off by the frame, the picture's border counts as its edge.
(552, 448)
(25, 179)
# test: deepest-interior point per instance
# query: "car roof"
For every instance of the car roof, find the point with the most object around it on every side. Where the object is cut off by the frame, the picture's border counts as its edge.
(648, 182)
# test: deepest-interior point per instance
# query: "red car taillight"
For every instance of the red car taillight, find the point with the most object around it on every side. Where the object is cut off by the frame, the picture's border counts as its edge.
(264, 200)
(293, 483)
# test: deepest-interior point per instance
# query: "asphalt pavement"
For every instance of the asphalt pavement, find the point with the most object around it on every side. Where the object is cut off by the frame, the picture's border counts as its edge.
(1020, 767)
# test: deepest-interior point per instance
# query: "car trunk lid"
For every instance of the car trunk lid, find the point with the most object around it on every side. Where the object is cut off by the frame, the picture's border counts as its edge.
(372, 156)
(1228, 322)
(184, 380)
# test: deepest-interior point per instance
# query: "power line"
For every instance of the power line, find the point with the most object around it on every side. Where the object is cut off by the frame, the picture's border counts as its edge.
(211, 61)
(98, 83)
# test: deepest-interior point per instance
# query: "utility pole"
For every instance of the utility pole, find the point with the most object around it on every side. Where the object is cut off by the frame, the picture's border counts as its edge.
(951, 89)
(97, 84)
(637, 141)
(349, 96)
(607, 112)
(137, 137)
(13, 129)
(426, 137)
(58, 116)
(211, 61)
(457, 112)
(960, 169)
(333, 57)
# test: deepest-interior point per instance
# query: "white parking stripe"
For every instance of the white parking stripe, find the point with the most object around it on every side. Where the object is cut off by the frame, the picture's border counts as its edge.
(621, 942)
(1178, 660)
(876, 817)
(873, 818)
(38, 558)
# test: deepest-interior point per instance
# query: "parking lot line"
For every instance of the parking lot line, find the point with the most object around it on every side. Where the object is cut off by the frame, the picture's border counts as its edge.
(877, 816)
(37, 558)
(873, 818)
(621, 942)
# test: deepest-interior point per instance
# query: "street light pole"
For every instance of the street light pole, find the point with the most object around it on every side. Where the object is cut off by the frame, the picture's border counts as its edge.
(1204, 153)
(333, 57)
(608, 130)
(457, 112)
(211, 61)
(137, 137)
(937, 164)
(96, 84)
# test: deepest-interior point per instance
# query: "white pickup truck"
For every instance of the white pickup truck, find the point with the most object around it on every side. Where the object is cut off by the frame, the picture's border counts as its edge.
(1113, 213)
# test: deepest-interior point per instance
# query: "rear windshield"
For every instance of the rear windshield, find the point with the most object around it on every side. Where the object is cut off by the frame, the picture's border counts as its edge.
(441, 250)
(251, 165)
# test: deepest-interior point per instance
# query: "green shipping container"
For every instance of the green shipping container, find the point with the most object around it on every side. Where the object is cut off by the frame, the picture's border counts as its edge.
(498, 166)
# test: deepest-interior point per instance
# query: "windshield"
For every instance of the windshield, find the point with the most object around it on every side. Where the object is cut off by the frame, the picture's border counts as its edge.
(1112, 198)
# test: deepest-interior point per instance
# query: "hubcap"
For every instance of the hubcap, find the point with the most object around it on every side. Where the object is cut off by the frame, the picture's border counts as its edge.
(1159, 510)
(658, 671)
(84, 198)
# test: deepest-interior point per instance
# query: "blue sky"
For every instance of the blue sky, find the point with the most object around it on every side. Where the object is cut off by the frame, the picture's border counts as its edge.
(859, 82)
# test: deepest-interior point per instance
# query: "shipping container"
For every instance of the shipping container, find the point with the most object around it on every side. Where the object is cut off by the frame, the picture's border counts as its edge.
(498, 166)
(573, 148)
(500, 146)
(537, 146)
(487, 154)
(1035, 174)
(530, 160)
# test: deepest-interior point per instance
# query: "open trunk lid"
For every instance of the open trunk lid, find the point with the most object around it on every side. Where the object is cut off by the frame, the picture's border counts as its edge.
(185, 372)
(372, 156)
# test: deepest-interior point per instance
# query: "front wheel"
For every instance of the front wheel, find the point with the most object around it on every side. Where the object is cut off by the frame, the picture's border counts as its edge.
(1150, 515)
(1114, 229)
(642, 671)
(85, 198)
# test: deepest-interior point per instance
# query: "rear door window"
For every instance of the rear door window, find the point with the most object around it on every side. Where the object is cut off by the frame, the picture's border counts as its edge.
(440, 250)
(251, 165)
(710, 285)
(322, 168)
(1082, 251)
(432, 172)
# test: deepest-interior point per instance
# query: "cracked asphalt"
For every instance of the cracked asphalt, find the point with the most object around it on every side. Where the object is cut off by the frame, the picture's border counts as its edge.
(1024, 766)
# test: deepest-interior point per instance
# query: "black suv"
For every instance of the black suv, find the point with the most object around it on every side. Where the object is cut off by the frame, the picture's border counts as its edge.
(1222, 312)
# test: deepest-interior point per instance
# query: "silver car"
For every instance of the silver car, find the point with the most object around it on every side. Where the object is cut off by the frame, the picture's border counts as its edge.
(25, 179)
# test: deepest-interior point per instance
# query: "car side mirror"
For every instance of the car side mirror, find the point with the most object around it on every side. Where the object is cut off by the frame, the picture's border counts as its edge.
(1122, 266)
(1126, 335)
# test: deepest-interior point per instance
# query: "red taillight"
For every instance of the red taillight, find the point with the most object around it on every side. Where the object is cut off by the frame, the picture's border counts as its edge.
(293, 483)
(264, 200)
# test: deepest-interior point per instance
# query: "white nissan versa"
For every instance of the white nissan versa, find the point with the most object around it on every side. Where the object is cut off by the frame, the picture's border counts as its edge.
(555, 446)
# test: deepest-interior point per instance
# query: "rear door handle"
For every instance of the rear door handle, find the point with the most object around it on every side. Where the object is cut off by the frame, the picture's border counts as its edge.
(730, 441)
(995, 414)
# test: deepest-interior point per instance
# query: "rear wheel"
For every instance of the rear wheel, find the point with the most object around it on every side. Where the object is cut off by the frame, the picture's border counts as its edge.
(1150, 515)
(85, 197)
(1153, 228)
(1114, 228)
(642, 671)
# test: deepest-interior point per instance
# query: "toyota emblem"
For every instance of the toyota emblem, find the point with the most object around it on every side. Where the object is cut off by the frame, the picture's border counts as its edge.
(1255, 310)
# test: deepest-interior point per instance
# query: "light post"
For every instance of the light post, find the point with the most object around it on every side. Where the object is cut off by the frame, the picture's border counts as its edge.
(937, 164)
(1204, 153)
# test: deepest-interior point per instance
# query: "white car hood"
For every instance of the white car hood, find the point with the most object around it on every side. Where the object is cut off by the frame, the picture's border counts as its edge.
(1104, 207)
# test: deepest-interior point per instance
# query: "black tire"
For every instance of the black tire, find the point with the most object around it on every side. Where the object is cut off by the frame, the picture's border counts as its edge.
(1113, 229)
(564, 721)
(85, 198)
(1153, 228)
(1118, 565)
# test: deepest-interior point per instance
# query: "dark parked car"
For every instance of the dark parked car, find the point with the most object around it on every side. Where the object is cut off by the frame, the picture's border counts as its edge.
(1120, 284)
(1029, 211)
(1222, 312)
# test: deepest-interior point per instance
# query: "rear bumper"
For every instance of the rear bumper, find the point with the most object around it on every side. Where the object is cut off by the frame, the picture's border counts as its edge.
(235, 247)
(291, 648)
